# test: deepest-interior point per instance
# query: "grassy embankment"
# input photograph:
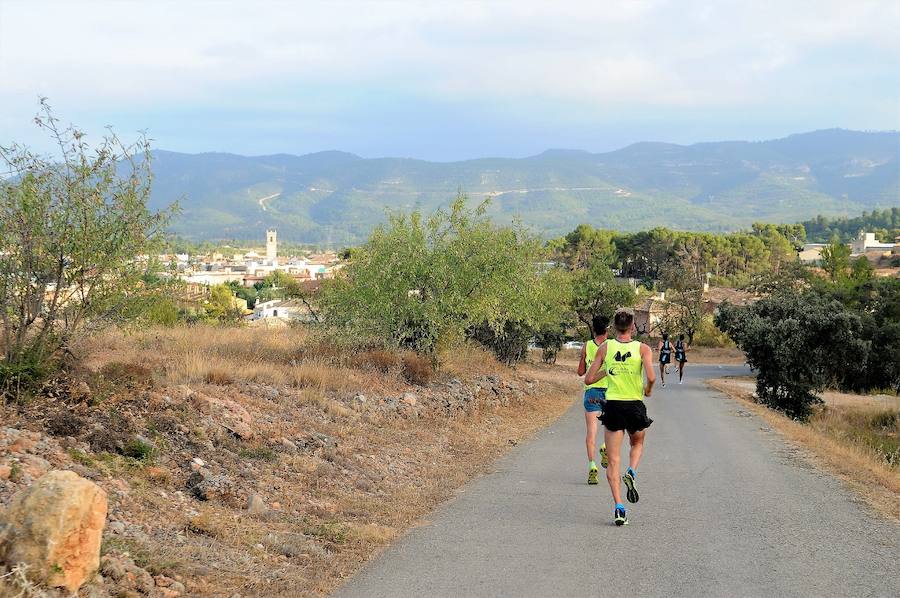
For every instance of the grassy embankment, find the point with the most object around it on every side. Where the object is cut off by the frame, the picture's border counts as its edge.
(340, 476)
(856, 437)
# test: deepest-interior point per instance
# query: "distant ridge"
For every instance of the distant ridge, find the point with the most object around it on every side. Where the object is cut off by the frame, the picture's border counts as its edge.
(334, 197)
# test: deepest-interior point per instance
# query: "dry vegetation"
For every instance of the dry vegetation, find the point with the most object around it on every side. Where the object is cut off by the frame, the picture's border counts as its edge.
(340, 474)
(855, 436)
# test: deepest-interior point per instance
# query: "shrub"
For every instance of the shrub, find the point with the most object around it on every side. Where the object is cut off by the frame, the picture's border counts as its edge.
(378, 360)
(219, 377)
(129, 375)
(139, 449)
(708, 335)
(790, 339)
(71, 226)
(418, 283)
(417, 369)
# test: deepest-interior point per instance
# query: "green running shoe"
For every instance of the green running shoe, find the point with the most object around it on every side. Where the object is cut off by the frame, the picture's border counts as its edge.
(592, 476)
(628, 478)
(621, 519)
(604, 458)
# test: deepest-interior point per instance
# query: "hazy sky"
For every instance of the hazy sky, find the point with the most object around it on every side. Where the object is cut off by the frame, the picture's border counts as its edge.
(449, 80)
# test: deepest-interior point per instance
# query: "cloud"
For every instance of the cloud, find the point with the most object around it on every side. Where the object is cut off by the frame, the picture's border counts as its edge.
(597, 58)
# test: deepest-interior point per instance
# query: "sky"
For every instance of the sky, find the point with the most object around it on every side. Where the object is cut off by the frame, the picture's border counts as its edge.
(448, 80)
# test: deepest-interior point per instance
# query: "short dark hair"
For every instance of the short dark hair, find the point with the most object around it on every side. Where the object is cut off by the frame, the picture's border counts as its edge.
(681, 336)
(623, 320)
(599, 323)
(665, 336)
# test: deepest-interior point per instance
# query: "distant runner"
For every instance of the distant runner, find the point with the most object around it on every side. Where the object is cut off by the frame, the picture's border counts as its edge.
(621, 361)
(665, 357)
(594, 397)
(681, 356)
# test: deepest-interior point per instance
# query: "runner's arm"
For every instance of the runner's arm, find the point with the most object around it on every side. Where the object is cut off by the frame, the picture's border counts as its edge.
(647, 359)
(582, 367)
(597, 372)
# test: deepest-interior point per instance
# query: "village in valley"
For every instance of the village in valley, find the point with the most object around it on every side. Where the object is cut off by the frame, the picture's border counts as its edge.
(244, 269)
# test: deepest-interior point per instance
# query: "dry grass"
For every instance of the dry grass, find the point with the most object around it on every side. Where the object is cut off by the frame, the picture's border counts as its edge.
(843, 437)
(221, 356)
(337, 505)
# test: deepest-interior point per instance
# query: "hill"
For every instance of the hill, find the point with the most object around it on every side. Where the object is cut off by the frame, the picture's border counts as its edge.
(336, 198)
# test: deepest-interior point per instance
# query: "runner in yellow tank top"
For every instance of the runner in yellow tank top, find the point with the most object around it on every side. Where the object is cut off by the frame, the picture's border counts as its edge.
(594, 397)
(624, 363)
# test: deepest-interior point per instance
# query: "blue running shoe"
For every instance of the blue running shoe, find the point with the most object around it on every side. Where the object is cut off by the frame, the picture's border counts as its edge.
(621, 519)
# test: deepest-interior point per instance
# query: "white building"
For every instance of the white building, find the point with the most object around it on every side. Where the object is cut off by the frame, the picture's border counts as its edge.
(811, 253)
(866, 242)
(290, 310)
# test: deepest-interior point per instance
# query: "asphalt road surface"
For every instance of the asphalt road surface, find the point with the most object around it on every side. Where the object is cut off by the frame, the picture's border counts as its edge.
(727, 508)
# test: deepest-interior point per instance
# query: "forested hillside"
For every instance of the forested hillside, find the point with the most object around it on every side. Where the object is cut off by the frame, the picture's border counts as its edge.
(336, 198)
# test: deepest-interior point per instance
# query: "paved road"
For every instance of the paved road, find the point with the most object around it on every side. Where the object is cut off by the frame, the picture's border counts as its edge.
(727, 509)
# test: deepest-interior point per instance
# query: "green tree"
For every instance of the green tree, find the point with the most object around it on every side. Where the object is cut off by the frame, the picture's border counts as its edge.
(596, 292)
(421, 283)
(684, 297)
(75, 233)
(221, 306)
(862, 270)
(836, 260)
(790, 339)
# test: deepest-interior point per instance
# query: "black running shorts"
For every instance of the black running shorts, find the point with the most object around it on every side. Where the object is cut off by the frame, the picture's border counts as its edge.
(625, 415)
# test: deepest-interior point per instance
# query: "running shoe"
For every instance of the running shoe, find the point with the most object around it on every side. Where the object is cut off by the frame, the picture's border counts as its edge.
(632, 494)
(604, 458)
(621, 519)
(663, 384)
(592, 476)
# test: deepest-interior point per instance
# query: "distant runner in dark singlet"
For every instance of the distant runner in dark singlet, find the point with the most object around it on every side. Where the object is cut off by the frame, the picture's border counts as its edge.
(594, 397)
(681, 350)
(665, 357)
(624, 363)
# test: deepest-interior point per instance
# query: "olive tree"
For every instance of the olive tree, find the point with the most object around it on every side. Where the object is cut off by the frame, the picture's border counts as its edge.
(422, 283)
(75, 241)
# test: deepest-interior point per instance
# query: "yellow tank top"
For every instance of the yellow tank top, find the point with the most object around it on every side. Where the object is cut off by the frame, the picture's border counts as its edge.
(624, 371)
(590, 353)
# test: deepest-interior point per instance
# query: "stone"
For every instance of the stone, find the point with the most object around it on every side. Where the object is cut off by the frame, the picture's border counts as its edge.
(360, 398)
(55, 527)
(288, 445)
(409, 399)
(256, 505)
(5, 472)
(116, 527)
(225, 412)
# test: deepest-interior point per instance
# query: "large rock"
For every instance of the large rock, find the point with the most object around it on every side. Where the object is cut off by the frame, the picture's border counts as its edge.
(55, 527)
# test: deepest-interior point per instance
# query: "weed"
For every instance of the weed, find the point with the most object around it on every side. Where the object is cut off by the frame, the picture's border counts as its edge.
(129, 375)
(81, 457)
(140, 450)
(417, 369)
(261, 453)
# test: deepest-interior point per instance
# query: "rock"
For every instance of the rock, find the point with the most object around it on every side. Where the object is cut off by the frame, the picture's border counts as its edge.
(55, 527)
(206, 486)
(5, 472)
(256, 505)
(359, 398)
(230, 415)
(288, 445)
(116, 527)
(112, 567)
(409, 399)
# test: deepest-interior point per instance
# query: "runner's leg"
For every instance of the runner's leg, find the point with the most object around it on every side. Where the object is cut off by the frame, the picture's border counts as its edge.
(636, 440)
(680, 370)
(614, 451)
(590, 440)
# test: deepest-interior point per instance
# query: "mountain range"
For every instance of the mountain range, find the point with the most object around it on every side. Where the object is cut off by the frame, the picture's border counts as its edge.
(335, 198)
